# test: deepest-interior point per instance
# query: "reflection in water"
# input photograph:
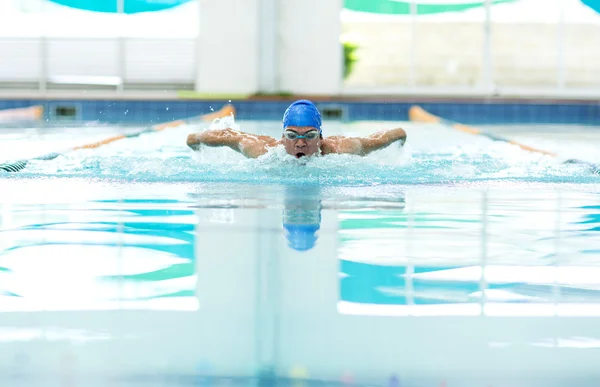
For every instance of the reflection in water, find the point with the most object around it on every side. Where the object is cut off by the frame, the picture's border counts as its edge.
(301, 217)
(399, 252)
(110, 254)
(375, 251)
(480, 254)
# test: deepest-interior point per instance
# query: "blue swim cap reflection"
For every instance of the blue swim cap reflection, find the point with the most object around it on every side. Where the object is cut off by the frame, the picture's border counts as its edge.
(302, 113)
(301, 237)
(301, 222)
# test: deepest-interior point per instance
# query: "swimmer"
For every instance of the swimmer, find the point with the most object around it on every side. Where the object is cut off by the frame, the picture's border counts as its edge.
(302, 136)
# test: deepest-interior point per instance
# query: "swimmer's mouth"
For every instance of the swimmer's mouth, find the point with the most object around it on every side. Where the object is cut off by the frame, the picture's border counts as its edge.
(298, 155)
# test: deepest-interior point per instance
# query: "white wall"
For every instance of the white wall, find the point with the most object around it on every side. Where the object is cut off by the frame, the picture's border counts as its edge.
(146, 60)
(228, 46)
(268, 76)
(242, 50)
(310, 54)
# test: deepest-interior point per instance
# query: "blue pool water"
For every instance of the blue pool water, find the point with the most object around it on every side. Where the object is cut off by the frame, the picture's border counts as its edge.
(434, 154)
(446, 262)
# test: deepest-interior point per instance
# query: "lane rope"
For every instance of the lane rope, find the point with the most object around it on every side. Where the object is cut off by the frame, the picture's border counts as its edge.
(418, 114)
(18, 165)
(27, 114)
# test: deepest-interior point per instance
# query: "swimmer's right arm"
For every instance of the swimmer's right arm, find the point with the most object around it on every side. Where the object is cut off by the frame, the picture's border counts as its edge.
(247, 144)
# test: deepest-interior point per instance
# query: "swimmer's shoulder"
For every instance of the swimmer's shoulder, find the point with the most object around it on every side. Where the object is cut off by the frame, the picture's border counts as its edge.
(339, 144)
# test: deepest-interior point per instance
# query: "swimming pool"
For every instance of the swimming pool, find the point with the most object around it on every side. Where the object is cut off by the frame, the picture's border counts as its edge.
(447, 262)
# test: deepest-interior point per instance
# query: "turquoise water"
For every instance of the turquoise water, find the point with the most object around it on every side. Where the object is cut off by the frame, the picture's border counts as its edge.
(135, 245)
(433, 155)
(142, 260)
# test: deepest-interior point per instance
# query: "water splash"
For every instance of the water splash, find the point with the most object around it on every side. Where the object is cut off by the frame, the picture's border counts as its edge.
(433, 155)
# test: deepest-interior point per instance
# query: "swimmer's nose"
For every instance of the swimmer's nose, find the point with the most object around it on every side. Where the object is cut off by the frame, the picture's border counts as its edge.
(301, 143)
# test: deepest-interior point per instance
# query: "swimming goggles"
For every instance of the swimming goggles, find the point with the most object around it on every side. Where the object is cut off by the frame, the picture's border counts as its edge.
(310, 135)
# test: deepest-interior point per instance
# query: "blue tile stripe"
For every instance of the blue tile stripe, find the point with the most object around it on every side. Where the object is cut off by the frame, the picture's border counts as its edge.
(120, 111)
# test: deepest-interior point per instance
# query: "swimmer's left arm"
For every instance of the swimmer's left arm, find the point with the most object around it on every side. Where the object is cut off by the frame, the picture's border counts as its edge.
(376, 141)
(247, 144)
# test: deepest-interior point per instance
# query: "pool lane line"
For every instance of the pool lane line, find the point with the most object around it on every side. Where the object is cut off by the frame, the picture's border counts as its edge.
(27, 114)
(418, 114)
(17, 165)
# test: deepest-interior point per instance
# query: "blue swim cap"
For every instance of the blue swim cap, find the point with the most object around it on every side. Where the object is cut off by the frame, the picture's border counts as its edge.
(302, 113)
(301, 237)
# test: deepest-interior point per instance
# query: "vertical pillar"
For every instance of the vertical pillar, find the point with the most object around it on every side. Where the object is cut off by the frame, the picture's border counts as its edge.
(561, 46)
(268, 61)
(311, 54)
(43, 69)
(488, 79)
(412, 75)
(121, 54)
(245, 46)
(228, 47)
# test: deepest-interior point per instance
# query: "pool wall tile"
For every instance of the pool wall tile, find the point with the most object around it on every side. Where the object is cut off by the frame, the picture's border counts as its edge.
(479, 112)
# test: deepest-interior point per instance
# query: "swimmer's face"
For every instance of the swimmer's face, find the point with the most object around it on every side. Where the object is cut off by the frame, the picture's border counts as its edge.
(300, 147)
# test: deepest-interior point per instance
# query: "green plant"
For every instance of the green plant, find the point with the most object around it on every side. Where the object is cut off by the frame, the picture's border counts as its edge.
(350, 57)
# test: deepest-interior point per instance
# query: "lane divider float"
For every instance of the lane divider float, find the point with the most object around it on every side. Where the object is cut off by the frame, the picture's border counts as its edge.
(418, 114)
(17, 165)
(27, 114)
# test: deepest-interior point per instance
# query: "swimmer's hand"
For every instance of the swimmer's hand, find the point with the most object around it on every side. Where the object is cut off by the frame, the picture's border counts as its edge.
(194, 141)
(398, 136)
(247, 144)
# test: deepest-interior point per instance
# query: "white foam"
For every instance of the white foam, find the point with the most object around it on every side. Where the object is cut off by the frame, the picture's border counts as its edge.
(432, 153)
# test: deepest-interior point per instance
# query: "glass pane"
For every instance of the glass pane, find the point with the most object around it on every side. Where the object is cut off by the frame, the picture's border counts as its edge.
(382, 48)
(440, 41)
(582, 40)
(99, 18)
(524, 49)
(21, 18)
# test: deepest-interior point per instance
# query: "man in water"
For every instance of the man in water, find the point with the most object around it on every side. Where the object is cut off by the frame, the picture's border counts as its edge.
(302, 136)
